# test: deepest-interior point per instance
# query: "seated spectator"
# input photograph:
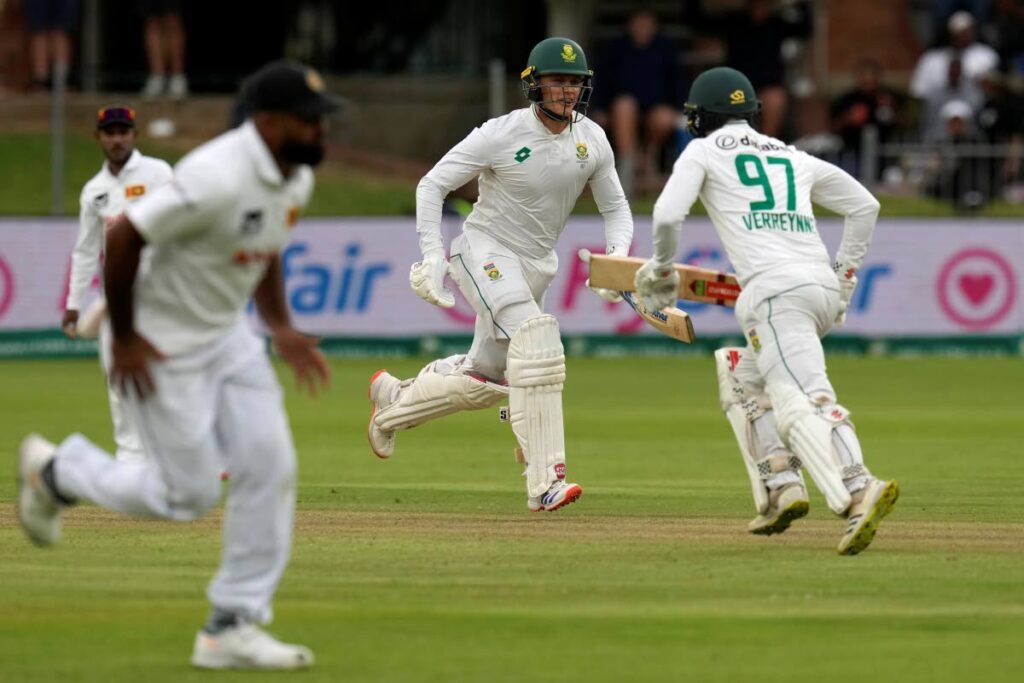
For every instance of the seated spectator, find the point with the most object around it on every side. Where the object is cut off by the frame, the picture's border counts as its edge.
(637, 90)
(49, 22)
(1001, 121)
(962, 177)
(956, 88)
(868, 104)
(931, 72)
(753, 40)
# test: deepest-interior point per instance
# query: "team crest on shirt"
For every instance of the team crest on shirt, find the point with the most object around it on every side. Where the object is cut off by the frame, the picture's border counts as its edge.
(582, 153)
(101, 200)
(293, 216)
(754, 341)
(492, 272)
(252, 222)
(134, 191)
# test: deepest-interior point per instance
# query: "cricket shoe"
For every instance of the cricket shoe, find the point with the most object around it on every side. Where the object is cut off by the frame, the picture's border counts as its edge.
(38, 508)
(559, 495)
(383, 392)
(247, 646)
(869, 506)
(785, 505)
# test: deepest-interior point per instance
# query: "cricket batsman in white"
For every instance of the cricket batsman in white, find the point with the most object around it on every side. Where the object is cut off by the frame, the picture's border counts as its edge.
(532, 165)
(125, 177)
(759, 192)
(195, 377)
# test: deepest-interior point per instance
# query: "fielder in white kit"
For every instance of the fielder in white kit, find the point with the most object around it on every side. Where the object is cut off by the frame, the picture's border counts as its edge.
(196, 378)
(759, 192)
(532, 165)
(126, 176)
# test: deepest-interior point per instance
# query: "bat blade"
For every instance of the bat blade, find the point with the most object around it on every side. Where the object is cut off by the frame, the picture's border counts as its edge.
(670, 321)
(701, 285)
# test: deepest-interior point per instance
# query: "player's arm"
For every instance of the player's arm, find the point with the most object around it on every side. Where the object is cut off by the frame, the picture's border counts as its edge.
(462, 163)
(298, 350)
(657, 280)
(614, 208)
(85, 259)
(838, 191)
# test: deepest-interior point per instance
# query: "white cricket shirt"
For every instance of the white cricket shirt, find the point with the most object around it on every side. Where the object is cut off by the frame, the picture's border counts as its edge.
(530, 179)
(212, 230)
(758, 192)
(105, 197)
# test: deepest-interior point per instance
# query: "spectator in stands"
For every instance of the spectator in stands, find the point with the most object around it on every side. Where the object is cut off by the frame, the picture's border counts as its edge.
(165, 49)
(962, 177)
(637, 91)
(932, 70)
(1001, 121)
(49, 22)
(1006, 34)
(753, 40)
(868, 104)
(956, 88)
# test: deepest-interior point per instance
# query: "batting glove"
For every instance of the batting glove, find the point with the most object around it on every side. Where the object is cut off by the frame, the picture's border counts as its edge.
(657, 284)
(426, 278)
(847, 275)
(609, 295)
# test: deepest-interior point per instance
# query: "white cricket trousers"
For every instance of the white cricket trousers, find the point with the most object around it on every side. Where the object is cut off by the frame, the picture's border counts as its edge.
(219, 408)
(504, 289)
(126, 434)
(784, 313)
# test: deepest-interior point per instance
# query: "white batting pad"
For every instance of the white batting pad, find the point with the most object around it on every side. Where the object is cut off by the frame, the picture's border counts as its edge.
(753, 424)
(536, 374)
(440, 389)
(809, 434)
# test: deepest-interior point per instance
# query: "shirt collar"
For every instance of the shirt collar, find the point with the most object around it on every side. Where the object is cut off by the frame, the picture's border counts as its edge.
(133, 163)
(534, 115)
(266, 167)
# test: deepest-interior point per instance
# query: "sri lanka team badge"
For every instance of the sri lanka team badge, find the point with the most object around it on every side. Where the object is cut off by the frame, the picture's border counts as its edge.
(293, 216)
(134, 191)
(754, 341)
(568, 54)
(491, 271)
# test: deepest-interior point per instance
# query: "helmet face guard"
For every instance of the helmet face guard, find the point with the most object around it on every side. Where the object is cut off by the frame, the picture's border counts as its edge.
(534, 92)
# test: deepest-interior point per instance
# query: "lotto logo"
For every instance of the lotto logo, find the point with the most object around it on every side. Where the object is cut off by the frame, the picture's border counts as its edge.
(560, 470)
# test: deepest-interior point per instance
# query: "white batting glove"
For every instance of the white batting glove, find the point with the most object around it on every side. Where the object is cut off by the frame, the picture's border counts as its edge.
(657, 284)
(847, 275)
(609, 295)
(426, 278)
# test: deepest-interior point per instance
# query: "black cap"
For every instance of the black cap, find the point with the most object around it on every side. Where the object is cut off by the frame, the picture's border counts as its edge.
(289, 87)
(115, 115)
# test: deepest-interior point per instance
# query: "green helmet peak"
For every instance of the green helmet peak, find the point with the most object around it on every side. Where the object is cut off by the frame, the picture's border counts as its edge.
(717, 95)
(561, 56)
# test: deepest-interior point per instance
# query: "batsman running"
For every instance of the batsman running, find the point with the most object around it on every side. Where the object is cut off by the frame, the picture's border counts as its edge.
(758, 193)
(532, 165)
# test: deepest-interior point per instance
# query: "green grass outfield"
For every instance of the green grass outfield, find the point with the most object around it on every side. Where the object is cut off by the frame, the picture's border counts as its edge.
(340, 189)
(428, 567)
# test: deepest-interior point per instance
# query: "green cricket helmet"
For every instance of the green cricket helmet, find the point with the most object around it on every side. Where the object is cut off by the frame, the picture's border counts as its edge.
(718, 95)
(557, 56)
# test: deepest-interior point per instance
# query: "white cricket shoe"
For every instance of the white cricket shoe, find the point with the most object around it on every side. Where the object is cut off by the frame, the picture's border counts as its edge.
(177, 87)
(869, 506)
(383, 392)
(785, 504)
(247, 646)
(38, 510)
(557, 496)
(154, 87)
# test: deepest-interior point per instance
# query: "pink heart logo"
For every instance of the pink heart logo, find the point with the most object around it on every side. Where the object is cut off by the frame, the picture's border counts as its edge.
(976, 287)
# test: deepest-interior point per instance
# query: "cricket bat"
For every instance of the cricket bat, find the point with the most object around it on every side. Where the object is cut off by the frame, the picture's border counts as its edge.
(669, 321)
(702, 285)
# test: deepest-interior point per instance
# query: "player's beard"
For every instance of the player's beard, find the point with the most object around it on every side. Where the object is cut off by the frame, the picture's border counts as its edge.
(299, 153)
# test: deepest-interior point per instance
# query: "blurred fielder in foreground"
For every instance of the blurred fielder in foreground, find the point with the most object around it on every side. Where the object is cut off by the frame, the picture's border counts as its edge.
(196, 379)
(126, 176)
(758, 192)
(532, 165)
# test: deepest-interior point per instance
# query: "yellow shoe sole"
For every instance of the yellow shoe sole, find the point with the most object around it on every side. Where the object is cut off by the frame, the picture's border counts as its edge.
(795, 510)
(862, 539)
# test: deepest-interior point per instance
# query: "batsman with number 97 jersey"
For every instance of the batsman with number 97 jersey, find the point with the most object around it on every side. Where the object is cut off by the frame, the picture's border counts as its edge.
(759, 192)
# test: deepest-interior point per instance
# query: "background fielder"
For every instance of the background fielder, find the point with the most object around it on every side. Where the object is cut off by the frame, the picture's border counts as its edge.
(196, 377)
(758, 192)
(532, 165)
(125, 177)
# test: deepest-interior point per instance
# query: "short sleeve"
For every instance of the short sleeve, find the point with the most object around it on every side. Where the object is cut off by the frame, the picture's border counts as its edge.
(183, 207)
